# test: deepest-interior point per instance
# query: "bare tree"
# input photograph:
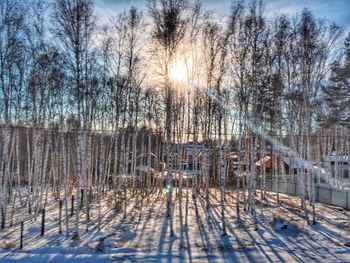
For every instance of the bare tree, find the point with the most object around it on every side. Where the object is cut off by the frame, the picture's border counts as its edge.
(169, 17)
(73, 24)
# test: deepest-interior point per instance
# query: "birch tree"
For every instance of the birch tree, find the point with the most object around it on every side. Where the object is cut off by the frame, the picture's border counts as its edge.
(169, 18)
(74, 23)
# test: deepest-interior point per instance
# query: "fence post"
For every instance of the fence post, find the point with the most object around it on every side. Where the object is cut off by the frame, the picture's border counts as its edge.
(60, 203)
(2, 218)
(43, 222)
(81, 198)
(21, 236)
(72, 207)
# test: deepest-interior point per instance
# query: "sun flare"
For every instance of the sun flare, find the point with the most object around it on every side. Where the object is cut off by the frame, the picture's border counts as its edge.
(180, 70)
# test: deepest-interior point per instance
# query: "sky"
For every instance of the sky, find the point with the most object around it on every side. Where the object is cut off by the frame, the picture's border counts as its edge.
(337, 11)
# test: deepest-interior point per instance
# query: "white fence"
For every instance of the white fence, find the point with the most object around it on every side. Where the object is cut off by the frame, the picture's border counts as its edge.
(324, 194)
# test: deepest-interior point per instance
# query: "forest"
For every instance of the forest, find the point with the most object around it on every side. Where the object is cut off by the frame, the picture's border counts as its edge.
(213, 130)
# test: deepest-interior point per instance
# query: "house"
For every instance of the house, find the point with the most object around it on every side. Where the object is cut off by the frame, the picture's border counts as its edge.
(264, 162)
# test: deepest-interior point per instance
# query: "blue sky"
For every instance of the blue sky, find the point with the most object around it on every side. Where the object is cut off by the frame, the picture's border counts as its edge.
(334, 10)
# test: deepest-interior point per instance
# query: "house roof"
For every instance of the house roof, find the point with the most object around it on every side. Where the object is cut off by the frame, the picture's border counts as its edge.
(265, 160)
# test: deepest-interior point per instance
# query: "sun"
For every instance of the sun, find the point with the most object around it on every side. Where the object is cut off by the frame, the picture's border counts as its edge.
(180, 70)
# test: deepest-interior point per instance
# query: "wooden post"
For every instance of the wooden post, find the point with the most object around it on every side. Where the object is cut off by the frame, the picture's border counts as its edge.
(2, 218)
(21, 237)
(88, 213)
(43, 222)
(72, 206)
(81, 198)
(60, 203)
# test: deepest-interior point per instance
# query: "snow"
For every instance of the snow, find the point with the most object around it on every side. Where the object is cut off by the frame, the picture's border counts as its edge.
(126, 235)
(143, 236)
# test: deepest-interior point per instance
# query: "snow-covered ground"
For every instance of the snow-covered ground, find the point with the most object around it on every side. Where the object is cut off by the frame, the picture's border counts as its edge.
(283, 235)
